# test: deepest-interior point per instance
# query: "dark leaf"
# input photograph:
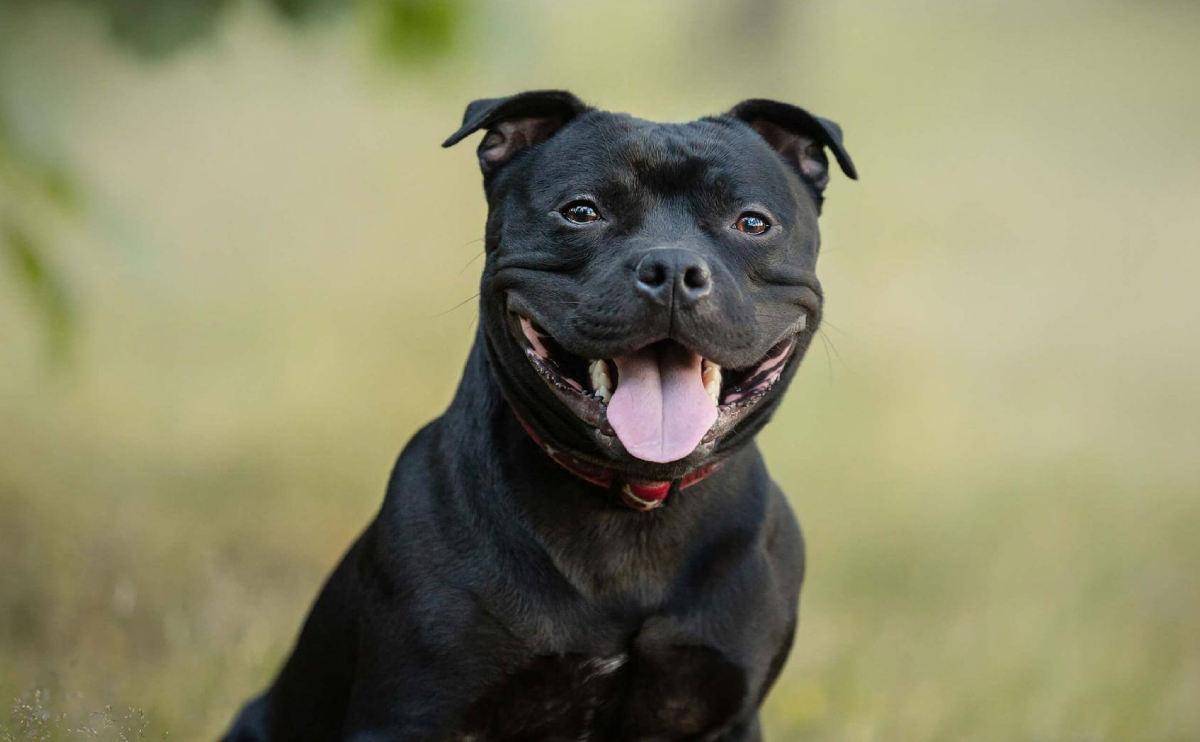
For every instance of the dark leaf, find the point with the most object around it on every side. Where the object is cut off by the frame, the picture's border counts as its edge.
(47, 292)
(302, 10)
(419, 29)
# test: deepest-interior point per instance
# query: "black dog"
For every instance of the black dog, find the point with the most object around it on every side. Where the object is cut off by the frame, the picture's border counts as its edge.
(586, 545)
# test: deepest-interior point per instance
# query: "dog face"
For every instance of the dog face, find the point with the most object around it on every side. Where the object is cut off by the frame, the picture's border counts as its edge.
(649, 288)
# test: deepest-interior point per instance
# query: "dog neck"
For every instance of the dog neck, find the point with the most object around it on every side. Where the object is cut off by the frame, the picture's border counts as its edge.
(489, 471)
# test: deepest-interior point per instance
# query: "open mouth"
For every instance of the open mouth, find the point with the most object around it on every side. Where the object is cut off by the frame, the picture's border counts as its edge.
(662, 401)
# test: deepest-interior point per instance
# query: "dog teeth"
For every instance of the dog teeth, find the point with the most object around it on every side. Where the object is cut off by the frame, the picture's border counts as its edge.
(710, 373)
(601, 381)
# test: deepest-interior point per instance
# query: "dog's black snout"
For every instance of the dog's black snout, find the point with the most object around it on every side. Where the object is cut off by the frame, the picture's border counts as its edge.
(665, 271)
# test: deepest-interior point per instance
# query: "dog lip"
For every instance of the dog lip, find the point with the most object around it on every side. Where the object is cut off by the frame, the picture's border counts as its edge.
(516, 310)
(594, 413)
(585, 407)
(578, 401)
(515, 305)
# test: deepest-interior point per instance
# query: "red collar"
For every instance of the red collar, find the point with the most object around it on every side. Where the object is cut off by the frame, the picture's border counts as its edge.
(639, 494)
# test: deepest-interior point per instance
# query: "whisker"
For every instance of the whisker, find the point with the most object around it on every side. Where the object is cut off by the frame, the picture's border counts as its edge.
(836, 352)
(828, 359)
(832, 346)
(456, 306)
(830, 325)
(472, 260)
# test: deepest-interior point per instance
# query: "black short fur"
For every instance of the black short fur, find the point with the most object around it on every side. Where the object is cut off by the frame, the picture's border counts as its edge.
(497, 596)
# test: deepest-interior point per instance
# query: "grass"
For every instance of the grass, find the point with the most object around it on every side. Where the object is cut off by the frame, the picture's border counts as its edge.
(993, 459)
(34, 717)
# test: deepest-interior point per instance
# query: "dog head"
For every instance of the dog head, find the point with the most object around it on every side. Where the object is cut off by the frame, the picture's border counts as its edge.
(649, 289)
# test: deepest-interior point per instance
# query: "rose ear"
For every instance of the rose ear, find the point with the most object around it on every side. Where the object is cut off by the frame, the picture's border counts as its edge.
(514, 123)
(800, 137)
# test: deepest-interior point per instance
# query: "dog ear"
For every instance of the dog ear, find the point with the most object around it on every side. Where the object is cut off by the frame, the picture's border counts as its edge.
(515, 122)
(799, 136)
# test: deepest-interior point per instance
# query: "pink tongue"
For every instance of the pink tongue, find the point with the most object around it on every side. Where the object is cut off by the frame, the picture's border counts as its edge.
(660, 410)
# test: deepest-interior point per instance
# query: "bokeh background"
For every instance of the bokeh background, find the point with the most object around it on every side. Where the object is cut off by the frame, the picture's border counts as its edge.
(237, 273)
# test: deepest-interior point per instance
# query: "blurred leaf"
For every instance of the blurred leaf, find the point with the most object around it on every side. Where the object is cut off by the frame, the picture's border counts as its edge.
(48, 293)
(156, 28)
(300, 10)
(53, 182)
(419, 29)
(407, 29)
(58, 186)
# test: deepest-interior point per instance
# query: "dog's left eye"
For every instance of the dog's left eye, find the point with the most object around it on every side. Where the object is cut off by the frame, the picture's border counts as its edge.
(581, 212)
(752, 223)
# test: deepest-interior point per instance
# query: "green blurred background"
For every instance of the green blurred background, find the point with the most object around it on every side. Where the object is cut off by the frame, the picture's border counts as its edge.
(236, 274)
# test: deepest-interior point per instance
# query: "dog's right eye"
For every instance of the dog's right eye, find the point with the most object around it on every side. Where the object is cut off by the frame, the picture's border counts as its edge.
(752, 223)
(581, 212)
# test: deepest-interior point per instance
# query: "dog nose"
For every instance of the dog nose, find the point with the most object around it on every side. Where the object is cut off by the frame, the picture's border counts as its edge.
(665, 271)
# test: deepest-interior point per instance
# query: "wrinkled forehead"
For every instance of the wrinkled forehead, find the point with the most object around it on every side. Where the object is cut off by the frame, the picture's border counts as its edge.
(715, 160)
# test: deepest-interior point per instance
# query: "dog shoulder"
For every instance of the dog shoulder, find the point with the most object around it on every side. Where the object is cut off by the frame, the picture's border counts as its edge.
(784, 538)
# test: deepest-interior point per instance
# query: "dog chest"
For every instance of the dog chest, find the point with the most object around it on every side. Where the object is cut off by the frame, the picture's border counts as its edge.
(666, 693)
